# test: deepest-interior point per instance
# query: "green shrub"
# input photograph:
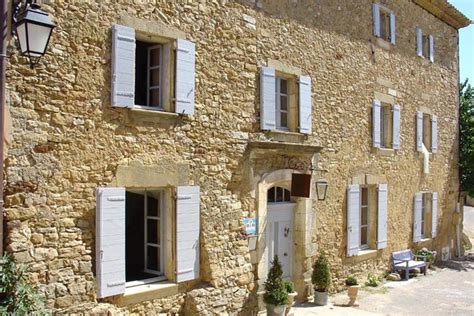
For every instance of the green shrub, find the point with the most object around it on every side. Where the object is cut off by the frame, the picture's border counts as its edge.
(289, 286)
(373, 280)
(275, 291)
(321, 277)
(17, 296)
(351, 280)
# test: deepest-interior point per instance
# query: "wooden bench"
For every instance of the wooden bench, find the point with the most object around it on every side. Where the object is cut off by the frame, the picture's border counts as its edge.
(404, 260)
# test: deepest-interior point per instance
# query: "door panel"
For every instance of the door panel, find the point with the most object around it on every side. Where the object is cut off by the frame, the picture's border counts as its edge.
(280, 235)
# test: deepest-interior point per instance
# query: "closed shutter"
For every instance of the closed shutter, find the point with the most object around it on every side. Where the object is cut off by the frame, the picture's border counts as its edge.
(392, 28)
(396, 126)
(376, 18)
(382, 205)
(185, 76)
(419, 42)
(418, 208)
(431, 43)
(419, 131)
(434, 134)
(434, 214)
(123, 66)
(305, 105)
(187, 232)
(376, 121)
(110, 241)
(353, 219)
(267, 98)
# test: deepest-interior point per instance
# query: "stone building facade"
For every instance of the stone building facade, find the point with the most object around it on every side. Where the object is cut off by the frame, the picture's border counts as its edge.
(196, 115)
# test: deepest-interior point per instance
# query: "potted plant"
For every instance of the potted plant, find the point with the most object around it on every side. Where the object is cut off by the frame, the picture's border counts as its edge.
(321, 279)
(353, 288)
(430, 255)
(290, 289)
(275, 295)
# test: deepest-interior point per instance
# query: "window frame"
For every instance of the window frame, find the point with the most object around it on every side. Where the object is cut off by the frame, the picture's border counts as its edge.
(149, 69)
(385, 27)
(366, 245)
(427, 131)
(284, 193)
(386, 126)
(278, 109)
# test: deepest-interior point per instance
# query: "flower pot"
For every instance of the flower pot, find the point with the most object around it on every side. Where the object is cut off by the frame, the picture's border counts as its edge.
(321, 298)
(352, 292)
(291, 301)
(278, 310)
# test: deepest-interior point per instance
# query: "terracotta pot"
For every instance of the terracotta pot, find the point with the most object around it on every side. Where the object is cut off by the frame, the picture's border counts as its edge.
(320, 298)
(273, 310)
(291, 301)
(352, 292)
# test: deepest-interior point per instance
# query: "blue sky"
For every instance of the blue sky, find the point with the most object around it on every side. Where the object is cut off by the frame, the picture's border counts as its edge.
(466, 41)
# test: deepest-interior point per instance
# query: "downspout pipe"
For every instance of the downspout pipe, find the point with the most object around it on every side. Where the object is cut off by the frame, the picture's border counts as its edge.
(3, 66)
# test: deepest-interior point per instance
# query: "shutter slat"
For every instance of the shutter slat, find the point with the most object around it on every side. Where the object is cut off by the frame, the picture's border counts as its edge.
(353, 219)
(185, 76)
(110, 241)
(376, 120)
(434, 134)
(382, 216)
(418, 203)
(419, 42)
(123, 66)
(419, 131)
(187, 232)
(267, 98)
(396, 126)
(434, 214)
(376, 18)
(392, 28)
(431, 43)
(305, 115)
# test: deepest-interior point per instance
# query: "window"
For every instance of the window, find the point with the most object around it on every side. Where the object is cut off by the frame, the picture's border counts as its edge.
(278, 195)
(158, 75)
(424, 44)
(425, 215)
(282, 103)
(386, 125)
(364, 218)
(427, 132)
(384, 23)
(386, 129)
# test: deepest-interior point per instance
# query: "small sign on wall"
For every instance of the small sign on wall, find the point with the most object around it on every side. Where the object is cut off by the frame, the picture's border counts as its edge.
(250, 224)
(445, 254)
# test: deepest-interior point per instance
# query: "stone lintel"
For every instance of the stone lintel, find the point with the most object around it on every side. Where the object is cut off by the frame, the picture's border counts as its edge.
(152, 30)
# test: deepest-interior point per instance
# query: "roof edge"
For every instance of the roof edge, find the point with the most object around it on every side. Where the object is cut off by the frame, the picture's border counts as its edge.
(445, 11)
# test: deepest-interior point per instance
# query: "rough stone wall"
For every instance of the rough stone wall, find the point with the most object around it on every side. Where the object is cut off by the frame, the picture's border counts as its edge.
(67, 140)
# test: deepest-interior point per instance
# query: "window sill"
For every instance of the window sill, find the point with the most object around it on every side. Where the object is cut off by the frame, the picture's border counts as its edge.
(146, 292)
(285, 136)
(150, 110)
(385, 151)
(363, 255)
(424, 240)
(382, 43)
(152, 115)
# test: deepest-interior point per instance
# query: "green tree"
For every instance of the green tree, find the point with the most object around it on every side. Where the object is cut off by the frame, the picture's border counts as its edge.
(321, 277)
(466, 138)
(275, 290)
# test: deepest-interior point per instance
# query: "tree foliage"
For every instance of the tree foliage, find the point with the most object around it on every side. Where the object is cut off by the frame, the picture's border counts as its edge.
(321, 277)
(275, 290)
(466, 138)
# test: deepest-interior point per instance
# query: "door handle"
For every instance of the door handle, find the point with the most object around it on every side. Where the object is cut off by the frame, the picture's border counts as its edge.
(285, 254)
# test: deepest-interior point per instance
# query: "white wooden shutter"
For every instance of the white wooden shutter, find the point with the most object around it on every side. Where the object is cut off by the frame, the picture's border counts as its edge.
(376, 121)
(187, 232)
(431, 43)
(419, 42)
(267, 99)
(434, 214)
(419, 131)
(434, 134)
(110, 241)
(185, 76)
(305, 105)
(418, 207)
(382, 216)
(376, 18)
(396, 126)
(353, 219)
(392, 28)
(123, 66)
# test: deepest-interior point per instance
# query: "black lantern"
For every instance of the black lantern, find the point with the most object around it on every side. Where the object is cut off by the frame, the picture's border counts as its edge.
(33, 27)
(322, 189)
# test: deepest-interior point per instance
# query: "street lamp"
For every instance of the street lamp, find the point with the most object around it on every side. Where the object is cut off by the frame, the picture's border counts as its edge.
(33, 27)
(322, 189)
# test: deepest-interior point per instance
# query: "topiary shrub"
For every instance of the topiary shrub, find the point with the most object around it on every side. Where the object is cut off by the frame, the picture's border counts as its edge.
(275, 291)
(351, 280)
(17, 296)
(321, 277)
(289, 286)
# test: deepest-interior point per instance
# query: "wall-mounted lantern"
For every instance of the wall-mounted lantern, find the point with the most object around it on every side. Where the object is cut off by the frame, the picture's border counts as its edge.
(322, 189)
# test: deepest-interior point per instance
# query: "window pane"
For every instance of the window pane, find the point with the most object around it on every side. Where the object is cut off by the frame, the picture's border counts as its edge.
(365, 196)
(155, 57)
(154, 97)
(152, 205)
(283, 86)
(153, 258)
(271, 195)
(153, 231)
(284, 119)
(364, 216)
(154, 77)
(283, 102)
(287, 195)
(363, 236)
(279, 194)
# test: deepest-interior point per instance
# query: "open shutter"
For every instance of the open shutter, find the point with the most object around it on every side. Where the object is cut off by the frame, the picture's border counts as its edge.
(187, 233)
(185, 76)
(417, 217)
(376, 17)
(353, 219)
(434, 214)
(431, 43)
(123, 66)
(396, 126)
(110, 241)
(434, 134)
(376, 120)
(305, 105)
(419, 42)
(382, 216)
(392, 28)
(267, 98)
(419, 131)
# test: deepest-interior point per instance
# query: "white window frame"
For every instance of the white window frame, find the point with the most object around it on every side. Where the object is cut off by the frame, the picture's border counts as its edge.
(149, 88)
(278, 110)
(367, 226)
(274, 188)
(383, 128)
